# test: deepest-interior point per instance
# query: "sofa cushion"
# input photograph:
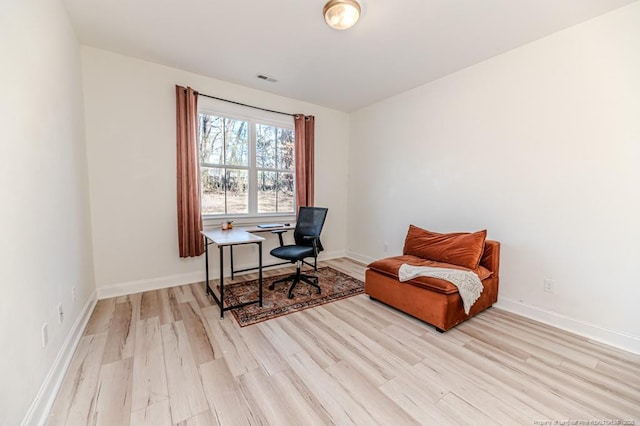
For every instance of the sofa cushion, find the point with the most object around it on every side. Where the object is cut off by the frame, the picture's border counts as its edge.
(460, 248)
(391, 265)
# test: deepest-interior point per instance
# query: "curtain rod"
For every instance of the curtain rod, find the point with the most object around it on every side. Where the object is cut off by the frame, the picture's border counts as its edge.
(245, 105)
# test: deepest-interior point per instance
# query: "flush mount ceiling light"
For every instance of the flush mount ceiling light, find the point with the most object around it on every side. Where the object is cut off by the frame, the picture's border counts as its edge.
(341, 14)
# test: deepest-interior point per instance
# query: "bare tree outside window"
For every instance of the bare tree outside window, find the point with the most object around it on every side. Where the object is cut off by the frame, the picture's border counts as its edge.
(224, 165)
(275, 164)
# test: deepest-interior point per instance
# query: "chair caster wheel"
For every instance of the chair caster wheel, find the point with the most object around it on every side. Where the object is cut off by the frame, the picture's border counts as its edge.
(290, 296)
(318, 291)
(271, 287)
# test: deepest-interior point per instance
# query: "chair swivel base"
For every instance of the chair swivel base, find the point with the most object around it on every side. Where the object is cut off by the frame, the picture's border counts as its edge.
(309, 279)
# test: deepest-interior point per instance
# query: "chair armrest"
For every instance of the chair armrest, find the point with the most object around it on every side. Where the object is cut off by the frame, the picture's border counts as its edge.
(280, 232)
(314, 241)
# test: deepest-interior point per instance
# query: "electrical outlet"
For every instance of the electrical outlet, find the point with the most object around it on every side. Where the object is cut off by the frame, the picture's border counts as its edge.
(60, 314)
(549, 285)
(74, 295)
(45, 334)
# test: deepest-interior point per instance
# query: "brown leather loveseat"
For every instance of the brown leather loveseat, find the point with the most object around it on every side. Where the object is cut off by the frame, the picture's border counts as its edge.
(434, 300)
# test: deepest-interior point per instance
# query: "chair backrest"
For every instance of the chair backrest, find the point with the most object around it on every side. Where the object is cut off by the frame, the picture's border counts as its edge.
(310, 223)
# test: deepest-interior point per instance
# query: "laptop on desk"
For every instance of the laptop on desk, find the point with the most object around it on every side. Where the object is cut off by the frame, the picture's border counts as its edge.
(270, 225)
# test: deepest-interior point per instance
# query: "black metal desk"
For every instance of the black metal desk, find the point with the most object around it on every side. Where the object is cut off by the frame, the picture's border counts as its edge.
(258, 229)
(230, 238)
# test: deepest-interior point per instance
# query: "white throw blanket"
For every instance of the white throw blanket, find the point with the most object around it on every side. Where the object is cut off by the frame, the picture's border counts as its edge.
(468, 283)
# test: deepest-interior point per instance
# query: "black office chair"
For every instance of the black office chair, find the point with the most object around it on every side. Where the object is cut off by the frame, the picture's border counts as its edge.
(307, 244)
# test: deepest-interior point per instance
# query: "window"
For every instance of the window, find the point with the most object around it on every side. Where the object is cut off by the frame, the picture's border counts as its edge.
(247, 166)
(275, 166)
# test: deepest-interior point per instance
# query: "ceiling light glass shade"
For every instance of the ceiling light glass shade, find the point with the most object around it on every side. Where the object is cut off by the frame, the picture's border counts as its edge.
(341, 14)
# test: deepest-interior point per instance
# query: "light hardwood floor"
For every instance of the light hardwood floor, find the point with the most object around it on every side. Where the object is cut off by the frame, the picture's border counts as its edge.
(166, 358)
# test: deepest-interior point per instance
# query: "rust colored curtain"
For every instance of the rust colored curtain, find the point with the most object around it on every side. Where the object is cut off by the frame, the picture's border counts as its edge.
(304, 128)
(190, 241)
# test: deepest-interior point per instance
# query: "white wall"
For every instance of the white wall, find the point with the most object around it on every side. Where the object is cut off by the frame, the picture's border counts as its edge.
(130, 120)
(45, 245)
(541, 146)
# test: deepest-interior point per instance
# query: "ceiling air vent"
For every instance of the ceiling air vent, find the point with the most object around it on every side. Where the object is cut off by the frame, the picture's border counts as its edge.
(266, 78)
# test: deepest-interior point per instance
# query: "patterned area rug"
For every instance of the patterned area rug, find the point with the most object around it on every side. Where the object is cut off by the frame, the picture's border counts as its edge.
(334, 284)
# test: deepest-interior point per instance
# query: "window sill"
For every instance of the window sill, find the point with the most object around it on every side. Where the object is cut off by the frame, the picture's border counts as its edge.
(209, 222)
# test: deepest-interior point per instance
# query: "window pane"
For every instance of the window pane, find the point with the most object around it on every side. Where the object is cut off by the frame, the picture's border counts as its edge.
(267, 186)
(286, 145)
(237, 186)
(265, 146)
(236, 142)
(215, 182)
(286, 190)
(211, 139)
(275, 192)
(211, 190)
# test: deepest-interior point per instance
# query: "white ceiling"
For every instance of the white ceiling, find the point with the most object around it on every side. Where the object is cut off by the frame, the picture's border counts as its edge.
(397, 45)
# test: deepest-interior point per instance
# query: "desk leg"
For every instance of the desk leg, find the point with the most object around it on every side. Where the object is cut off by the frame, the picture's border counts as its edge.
(231, 258)
(221, 281)
(260, 273)
(206, 265)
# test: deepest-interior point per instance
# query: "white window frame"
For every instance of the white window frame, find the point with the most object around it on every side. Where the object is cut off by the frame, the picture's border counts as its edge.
(253, 117)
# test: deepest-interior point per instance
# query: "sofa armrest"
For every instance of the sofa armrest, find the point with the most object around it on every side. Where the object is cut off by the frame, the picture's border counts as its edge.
(491, 257)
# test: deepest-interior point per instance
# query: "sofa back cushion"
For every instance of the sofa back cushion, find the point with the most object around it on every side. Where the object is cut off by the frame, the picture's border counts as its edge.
(460, 248)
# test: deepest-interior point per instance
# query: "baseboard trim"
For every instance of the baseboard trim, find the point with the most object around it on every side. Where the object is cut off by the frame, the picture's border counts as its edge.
(42, 403)
(132, 287)
(328, 255)
(615, 338)
(360, 257)
(138, 286)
